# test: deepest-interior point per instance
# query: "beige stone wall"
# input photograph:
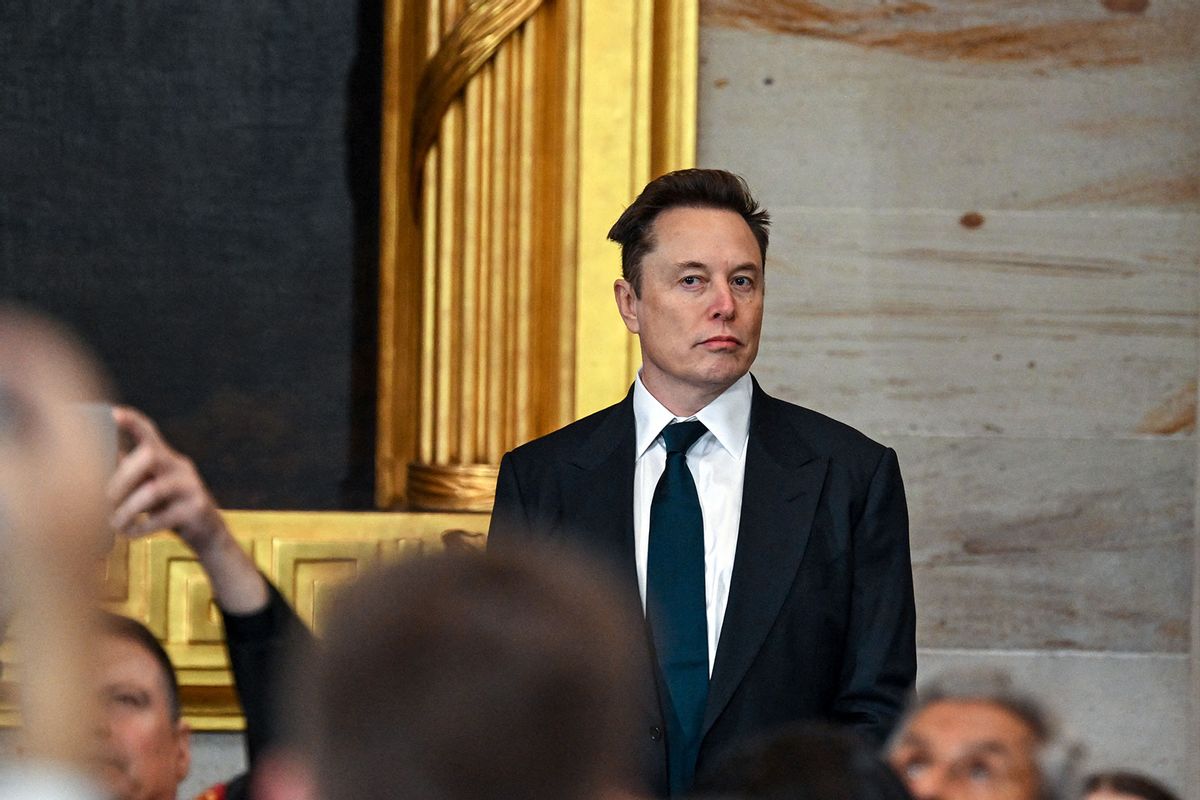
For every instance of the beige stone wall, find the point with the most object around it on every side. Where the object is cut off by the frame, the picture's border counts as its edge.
(986, 253)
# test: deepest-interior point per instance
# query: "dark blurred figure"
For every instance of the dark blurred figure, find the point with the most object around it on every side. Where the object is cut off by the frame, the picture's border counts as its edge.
(1124, 786)
(806, 762)
(464, 677)
(973, 735)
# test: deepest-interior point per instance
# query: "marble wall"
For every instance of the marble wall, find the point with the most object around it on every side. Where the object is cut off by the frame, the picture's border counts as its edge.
(986, 253)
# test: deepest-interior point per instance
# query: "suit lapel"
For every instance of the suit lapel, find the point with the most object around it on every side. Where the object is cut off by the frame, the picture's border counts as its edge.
(779, 499)
(598, 490)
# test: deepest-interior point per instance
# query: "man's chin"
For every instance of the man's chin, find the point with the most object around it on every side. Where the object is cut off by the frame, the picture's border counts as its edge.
(116, 780)
(725, 372)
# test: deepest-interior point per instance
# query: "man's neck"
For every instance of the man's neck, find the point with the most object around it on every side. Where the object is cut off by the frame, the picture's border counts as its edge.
(681, 400)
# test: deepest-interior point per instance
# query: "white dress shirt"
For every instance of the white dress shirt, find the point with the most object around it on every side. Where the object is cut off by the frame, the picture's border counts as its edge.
(718, 465)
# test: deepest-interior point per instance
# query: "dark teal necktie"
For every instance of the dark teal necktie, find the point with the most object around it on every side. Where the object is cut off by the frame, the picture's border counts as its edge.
(675, 601)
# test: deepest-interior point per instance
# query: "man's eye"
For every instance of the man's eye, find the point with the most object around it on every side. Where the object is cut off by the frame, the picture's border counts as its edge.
(913, 767)
(690, 280)
(128, 699)
(979, 773)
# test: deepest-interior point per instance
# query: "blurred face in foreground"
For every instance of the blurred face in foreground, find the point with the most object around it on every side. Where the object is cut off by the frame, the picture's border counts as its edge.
(967, 750)
(143, 752)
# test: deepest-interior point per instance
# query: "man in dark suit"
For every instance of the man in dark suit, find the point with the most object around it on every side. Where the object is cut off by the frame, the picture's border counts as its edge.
(768, 544)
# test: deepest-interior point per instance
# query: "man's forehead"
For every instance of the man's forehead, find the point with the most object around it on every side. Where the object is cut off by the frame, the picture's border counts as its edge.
(686, 264)
(685, 233)
(121, 657)
(978, 724)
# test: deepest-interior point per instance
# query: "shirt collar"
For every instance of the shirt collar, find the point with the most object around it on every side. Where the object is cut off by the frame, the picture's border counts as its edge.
(727, 417)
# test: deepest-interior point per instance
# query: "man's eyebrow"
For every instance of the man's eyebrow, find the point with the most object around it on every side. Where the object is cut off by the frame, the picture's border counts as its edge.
(989, 747)
(910, 739)
(124, 687)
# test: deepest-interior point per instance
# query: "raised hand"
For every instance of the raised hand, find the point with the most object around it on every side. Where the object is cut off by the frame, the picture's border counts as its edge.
(157, 488)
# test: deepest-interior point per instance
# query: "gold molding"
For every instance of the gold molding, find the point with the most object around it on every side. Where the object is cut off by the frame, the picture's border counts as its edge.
(471, 43)
(508, 150)
(306, 554)
(638, 72)
(455, 487)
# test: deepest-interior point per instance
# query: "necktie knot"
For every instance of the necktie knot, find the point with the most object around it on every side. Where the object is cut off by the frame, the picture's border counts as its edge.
(680, 436)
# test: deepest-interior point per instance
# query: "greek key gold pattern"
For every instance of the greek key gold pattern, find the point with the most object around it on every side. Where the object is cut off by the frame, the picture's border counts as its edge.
(306, 554)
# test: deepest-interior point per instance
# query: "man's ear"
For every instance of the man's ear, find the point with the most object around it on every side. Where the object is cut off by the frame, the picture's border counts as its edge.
(626, 303)
(183, 749)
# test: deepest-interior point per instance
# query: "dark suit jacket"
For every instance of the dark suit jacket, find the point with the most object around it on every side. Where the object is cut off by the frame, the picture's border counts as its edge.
(820, 622)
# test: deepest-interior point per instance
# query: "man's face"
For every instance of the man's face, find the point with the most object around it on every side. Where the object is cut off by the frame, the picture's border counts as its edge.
(143, 753)
(960, 749)
(699, 314)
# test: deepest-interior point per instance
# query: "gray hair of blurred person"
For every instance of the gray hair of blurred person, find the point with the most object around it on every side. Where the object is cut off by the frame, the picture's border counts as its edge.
(1134, 784)
(1059, 755)
(463, 676)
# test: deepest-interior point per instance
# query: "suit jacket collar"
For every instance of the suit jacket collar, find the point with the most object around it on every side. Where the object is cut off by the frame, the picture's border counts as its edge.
(615, 432)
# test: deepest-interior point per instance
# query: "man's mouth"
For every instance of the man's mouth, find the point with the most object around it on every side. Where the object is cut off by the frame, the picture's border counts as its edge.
(720, 342)
(107, 759)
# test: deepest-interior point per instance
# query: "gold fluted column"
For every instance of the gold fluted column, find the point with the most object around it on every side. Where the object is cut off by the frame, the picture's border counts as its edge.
(514, 133)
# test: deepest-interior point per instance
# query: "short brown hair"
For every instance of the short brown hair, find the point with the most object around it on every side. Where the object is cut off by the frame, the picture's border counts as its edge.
(467, 676)
(685, 188)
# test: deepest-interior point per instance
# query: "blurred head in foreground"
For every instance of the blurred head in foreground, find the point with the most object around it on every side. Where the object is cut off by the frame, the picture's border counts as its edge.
(455, 677)
(52, 531)
(972, 735)
(52, 460)
(811, 761)
(1125, 786)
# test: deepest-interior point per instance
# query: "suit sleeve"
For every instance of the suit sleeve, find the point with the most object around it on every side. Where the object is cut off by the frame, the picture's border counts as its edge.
(260, 646)
(880, 662)
(510, 519)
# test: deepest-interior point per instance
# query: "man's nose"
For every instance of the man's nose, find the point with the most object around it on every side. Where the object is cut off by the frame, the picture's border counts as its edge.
(102, 725)
(723, 305)
(929, 785)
